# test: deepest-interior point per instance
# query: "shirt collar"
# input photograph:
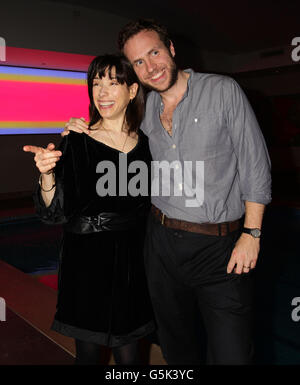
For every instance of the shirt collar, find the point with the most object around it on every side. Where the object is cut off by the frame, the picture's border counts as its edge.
(189, 83)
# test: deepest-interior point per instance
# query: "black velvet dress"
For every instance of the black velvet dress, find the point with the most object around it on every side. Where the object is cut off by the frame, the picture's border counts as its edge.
(102, 290)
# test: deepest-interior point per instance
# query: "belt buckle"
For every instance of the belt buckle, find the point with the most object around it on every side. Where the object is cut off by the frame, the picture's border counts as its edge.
(162, 219)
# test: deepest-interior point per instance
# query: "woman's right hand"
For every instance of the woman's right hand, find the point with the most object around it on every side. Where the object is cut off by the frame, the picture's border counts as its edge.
(45, 158)
(77, 125)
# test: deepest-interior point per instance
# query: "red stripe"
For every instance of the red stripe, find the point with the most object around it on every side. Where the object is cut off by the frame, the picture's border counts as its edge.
(47, 59)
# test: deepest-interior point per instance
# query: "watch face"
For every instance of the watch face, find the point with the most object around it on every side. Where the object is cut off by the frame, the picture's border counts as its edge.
(255, 233)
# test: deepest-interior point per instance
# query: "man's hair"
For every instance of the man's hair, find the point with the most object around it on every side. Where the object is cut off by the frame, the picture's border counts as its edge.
(134, 27)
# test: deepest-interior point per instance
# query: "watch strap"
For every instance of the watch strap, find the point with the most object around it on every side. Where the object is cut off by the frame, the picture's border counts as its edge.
(255, 233)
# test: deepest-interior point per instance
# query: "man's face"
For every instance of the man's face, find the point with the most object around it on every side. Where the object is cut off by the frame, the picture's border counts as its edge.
(152, 61)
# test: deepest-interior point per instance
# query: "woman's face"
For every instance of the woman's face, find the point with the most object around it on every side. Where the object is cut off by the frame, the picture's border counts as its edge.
(110, 97)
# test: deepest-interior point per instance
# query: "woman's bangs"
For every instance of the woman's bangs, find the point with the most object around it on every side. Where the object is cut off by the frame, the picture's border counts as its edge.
(101, 68)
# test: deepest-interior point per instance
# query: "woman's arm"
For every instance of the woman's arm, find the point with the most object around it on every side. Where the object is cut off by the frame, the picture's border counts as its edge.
(45, 160)
(49, 193)
(48, 187)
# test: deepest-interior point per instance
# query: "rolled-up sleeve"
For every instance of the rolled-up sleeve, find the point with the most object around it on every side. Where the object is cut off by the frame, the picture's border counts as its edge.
(254, 166)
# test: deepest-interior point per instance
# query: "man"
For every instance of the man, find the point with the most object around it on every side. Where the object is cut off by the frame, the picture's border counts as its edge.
(198, 262)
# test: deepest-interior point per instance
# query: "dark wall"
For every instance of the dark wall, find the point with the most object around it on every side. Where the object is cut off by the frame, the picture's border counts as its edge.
(18, 173)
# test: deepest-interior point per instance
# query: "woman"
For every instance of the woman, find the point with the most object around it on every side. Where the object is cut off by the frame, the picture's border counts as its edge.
(102, 291)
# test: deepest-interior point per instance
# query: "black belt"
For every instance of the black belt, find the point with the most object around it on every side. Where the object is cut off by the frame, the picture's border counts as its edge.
(107, 221)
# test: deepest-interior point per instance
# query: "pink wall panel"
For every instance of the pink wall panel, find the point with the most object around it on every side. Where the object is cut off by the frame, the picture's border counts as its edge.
(32, 101)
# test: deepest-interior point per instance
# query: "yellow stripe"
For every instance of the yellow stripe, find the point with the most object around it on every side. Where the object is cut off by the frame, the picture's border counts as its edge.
(41, 79)
(32, 124)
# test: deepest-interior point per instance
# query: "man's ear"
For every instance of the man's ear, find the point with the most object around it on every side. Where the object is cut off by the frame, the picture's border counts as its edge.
(172, 49)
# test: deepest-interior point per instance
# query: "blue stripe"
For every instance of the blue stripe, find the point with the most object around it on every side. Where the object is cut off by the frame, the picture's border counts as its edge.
(41, 72)
(36, 130)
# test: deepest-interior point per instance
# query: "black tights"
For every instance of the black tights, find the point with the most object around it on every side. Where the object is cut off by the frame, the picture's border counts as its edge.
(89, 353)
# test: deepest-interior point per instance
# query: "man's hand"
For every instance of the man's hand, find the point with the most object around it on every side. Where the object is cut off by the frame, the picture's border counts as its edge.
(77, 125)
(244, 255)
(45, 158)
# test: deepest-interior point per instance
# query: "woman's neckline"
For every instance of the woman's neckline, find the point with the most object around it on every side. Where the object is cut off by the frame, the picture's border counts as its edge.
(113, 148)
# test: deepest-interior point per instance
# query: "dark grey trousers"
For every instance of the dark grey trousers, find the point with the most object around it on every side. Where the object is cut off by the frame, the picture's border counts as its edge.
(189, 287)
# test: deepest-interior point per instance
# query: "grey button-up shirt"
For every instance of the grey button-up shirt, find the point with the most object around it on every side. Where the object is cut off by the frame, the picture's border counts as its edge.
(217, 156)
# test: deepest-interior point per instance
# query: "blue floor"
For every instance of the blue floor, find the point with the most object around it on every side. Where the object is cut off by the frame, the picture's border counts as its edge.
(29, 245)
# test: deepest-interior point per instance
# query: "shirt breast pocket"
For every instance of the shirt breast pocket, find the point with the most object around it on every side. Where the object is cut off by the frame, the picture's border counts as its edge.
(206, 134)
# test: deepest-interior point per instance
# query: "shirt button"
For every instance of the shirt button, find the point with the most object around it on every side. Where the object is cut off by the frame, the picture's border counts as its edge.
(174, 146)
(196, 120)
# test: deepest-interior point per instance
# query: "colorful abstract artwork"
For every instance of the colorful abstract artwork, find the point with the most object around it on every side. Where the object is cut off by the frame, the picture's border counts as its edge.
(40, 101)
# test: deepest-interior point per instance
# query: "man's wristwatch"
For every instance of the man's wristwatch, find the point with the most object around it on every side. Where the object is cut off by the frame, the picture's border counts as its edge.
(256, 233)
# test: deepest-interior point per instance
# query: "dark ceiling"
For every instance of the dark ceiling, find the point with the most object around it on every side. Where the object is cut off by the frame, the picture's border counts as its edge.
(224, 26)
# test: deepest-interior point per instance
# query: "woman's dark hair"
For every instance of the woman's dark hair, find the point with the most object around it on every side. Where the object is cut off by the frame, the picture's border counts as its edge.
(124, 74)
(134, 27)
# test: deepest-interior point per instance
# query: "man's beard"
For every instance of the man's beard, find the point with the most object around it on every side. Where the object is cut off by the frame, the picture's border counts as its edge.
(173, 79)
